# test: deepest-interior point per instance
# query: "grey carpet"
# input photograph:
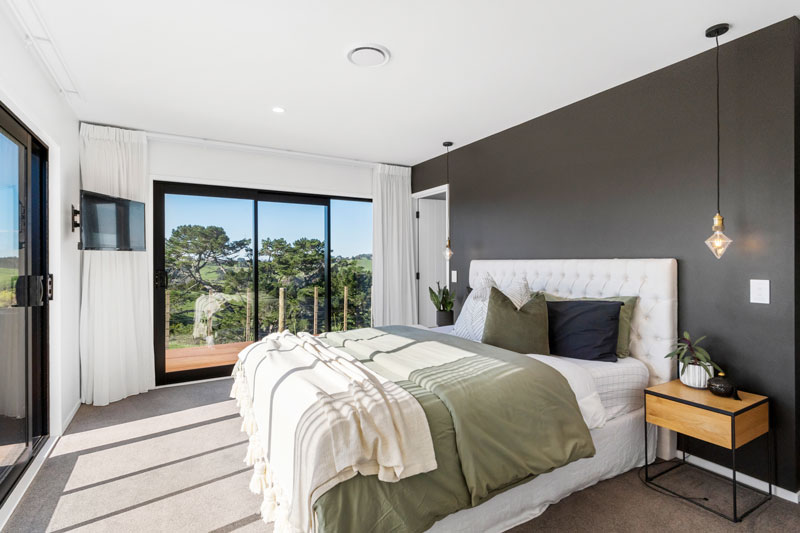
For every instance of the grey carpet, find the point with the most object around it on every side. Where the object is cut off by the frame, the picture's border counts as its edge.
(171, 460)
(168, 460)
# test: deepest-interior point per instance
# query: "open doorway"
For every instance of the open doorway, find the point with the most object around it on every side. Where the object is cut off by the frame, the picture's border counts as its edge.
(431, 227)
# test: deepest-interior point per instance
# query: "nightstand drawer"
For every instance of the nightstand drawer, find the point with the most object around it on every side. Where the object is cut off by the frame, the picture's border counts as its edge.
(699, 423)
(752, 424)
(707, 425)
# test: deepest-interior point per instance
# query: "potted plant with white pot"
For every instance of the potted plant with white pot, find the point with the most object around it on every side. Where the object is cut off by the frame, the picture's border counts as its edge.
(695, 365)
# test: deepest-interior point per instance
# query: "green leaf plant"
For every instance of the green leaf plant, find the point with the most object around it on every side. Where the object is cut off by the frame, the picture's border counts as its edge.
(442, 298)
(688, 352)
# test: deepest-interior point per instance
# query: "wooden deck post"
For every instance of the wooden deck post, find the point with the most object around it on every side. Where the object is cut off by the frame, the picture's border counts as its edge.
(316, 303)
(166, 319)
(248, 316)
(281, 315)
(344, 328)
(210, 323)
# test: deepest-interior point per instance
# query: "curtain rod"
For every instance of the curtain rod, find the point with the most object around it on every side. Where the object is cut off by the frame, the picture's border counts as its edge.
(200, 141)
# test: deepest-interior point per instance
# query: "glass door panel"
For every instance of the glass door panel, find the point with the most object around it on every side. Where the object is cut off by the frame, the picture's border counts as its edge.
(292, 260)
(209, 303)
(14, 438)
(235, 265)
(351, 264)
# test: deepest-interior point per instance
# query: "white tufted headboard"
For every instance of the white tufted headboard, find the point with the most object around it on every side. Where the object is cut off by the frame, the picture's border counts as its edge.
(654, 281)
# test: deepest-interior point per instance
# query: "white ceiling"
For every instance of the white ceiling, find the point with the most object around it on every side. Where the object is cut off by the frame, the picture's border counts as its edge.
(460, 70)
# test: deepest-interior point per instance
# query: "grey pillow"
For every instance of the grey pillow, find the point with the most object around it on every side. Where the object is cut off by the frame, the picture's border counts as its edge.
(522, 330)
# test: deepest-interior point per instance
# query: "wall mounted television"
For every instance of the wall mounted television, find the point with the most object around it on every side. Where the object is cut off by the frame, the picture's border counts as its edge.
(110, 223)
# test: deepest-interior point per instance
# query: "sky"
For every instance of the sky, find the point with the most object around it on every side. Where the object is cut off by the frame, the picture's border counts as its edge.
(351, 221)
(9, 198)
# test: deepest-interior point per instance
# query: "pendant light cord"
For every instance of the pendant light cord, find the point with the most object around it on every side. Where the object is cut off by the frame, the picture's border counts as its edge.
(447, 163)
(716, 38)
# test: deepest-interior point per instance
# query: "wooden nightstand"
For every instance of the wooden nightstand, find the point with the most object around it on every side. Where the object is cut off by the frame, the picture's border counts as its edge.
(726, 422)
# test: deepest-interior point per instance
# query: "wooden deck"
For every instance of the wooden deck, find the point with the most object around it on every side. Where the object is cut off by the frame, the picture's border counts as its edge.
(203, 356)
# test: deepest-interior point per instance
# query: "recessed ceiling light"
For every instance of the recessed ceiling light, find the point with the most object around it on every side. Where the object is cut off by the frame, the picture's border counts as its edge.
(278, 109)
(369, 55)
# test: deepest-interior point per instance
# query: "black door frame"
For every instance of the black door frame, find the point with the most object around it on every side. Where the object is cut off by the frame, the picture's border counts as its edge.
(35, 222)
(162, 188)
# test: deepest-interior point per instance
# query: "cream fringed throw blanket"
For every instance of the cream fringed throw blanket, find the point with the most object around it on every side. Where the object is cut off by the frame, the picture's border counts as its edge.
(316, 417)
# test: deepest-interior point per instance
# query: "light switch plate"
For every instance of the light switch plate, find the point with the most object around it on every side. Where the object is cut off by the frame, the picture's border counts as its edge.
(759, 291)
(454, 276)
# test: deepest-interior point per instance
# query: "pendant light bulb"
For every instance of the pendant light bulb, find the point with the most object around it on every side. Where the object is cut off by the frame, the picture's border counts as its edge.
(448, 252)
(718, 242)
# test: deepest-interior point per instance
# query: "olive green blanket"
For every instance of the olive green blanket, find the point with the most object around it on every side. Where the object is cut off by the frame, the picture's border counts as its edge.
(497, 418)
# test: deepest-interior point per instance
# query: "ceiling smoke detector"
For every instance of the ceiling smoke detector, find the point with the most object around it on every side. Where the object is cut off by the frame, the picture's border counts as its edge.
(369, 55)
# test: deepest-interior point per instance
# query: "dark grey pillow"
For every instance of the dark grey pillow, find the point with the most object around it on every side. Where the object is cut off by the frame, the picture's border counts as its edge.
(584, 329)
(522, 330)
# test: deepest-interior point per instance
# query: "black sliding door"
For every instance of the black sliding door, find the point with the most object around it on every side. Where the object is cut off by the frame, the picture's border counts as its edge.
(234, 265)
(23, 298)
(292, 234)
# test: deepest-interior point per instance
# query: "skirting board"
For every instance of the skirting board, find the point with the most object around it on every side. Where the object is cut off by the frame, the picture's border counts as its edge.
(181, 384)
(68, 419)
(744, 479)
(25, 481)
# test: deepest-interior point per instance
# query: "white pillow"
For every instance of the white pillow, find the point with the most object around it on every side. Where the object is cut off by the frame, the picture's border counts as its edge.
(582, 384)
(472, 318)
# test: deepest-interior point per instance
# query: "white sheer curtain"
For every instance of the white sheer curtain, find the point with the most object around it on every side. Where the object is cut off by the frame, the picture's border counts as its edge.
(394, 295)
(116, 325)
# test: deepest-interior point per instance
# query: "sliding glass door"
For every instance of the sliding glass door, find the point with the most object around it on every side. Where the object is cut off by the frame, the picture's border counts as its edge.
(208, 269)
(292, 264)
(234, 265)
(351, 264)
(23, 299)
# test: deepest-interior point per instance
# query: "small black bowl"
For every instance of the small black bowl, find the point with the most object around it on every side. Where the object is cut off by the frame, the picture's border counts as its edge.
(720, 386)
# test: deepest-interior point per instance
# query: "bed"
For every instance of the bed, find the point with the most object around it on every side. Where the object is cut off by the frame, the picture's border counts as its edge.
(337, 497)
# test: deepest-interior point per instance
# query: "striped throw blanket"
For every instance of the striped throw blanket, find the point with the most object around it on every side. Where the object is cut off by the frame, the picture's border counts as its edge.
(316, 417)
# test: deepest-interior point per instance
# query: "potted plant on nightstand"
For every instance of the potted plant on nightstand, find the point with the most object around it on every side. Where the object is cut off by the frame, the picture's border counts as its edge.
(442, 299)
(696, 366)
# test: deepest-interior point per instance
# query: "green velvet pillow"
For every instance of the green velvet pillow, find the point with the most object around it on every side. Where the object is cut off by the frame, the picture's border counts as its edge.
(522, 330)
(625, 317)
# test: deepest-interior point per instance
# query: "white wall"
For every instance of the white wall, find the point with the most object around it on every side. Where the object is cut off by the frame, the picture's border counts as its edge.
(27, 91)
(224, 164)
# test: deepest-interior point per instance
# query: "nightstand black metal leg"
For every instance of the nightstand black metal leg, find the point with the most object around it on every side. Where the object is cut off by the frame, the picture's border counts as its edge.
(646, 476)
(770, 462)
(733, 464)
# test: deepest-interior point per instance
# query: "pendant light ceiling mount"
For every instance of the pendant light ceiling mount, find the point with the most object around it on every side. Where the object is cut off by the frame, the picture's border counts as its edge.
(717, 30)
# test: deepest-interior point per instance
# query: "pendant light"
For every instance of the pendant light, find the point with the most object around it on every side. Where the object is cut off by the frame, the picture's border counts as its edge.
(448, 251)
(718, 242)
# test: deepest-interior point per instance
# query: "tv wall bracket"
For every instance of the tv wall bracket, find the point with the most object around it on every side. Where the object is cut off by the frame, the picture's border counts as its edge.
(76, 223)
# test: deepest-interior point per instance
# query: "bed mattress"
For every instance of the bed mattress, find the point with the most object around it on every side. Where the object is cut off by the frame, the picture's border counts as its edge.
(619, 384)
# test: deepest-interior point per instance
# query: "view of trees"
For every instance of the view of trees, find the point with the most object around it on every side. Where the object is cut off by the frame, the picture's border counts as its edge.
(211, 286)
(8, 280)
